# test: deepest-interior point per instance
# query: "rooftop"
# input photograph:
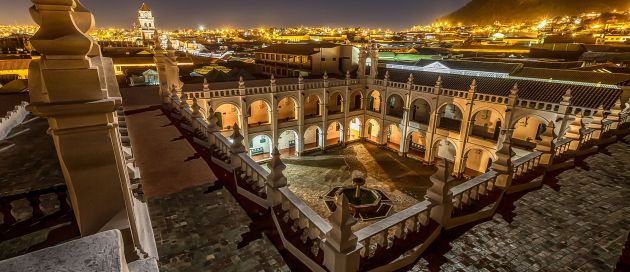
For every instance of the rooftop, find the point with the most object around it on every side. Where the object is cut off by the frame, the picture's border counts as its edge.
(296, 49)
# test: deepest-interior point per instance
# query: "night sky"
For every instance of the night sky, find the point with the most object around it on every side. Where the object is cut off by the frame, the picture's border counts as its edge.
(170, 14)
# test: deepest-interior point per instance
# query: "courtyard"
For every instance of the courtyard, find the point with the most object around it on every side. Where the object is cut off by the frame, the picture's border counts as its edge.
(403, 180)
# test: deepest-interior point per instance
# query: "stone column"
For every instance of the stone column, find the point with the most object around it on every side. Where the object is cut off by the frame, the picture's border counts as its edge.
(374, 60)
(547, 145)
(66, 88)
(324, 111)
(362, 61)
(440, 195)
(503, 165)
(300, 143)
(212, 126)
(433, 120)
(460, 159)
(383, 106)
(341, 247)
(275, 179)
(237, 147)
(564, 111)
(575, 132)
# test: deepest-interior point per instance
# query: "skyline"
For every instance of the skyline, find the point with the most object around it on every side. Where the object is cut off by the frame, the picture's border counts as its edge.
(395, 14)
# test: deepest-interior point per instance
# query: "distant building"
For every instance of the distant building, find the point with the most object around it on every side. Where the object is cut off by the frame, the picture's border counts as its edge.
(291, 60)
(146, 22)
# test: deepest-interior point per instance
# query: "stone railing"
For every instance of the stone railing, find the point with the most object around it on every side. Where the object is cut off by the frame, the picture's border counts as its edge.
(376, 237)
(19, 213)
(12, 119)
(302, 227)
(526, 164)
(562, 146)
(251, 177)
(587, 136)
(471, 190)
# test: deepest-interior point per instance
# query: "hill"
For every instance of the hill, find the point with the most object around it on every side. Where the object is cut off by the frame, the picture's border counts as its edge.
(489, 11)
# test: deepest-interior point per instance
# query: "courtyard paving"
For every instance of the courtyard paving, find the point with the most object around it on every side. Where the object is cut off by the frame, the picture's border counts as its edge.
(578, 221)
(403, 180)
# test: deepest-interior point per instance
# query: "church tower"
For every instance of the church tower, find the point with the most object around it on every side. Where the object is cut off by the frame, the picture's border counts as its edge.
(146, 22)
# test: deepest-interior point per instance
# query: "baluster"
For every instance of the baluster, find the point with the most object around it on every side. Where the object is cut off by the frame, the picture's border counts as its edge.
(466, 197)
(414, 223)
(457, 201)
(400, 230)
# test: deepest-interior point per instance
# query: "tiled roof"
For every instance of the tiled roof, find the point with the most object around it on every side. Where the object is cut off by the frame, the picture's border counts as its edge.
(482, 66)
(573, 75)
(144, 7)
(536, 90)
(295, 49)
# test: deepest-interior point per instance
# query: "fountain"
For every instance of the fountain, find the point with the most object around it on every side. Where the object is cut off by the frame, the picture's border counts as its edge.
(365, 203)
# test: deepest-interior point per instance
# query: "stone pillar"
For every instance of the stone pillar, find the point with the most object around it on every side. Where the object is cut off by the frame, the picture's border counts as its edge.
(433, 120)
(575, 132)
(237, 147)
(341, 247)
(196, 109)
(362, 63)
(381, 139)
(405, 120)
(597, 124)
(275, 179)
(212, 126)
(564, 111)
(460, 159)
(324, 111)
(300, 143)
(374, 60)
(503, 165)
(66, 88)
(440, 195)
(547, 145)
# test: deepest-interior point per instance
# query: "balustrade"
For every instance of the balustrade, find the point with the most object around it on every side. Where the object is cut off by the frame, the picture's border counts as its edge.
(472, 190)
(376, 237)
(526, 164)
(303, 220)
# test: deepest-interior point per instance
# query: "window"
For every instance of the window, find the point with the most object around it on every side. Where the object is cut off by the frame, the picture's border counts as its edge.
(323, 59)
(334, 59)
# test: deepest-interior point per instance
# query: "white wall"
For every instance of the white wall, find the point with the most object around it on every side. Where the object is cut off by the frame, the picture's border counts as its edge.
(266, 145)
(310, 135)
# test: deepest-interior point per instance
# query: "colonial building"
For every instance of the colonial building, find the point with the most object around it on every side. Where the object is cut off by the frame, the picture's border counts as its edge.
(292, 60)
(146, 22)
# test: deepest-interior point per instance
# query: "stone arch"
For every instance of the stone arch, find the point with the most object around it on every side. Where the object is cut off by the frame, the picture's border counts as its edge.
(392, 135)
(312, 137)
(355, 128)
(420, 111)
(312, 105)
(450, 116)
(335, 103)
(527, 130)
(416, 144)
(288, 142)
(395, 105)
(260, 146)
(287, 109)
(444, 148)
(372, 131)
(334, 133)
(228, 114)
(258, 112)
(477, 161)
(355, 101)
(486, 123)
(374, 101)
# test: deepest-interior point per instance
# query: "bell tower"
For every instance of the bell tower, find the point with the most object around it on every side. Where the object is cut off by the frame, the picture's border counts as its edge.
(146, 22)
